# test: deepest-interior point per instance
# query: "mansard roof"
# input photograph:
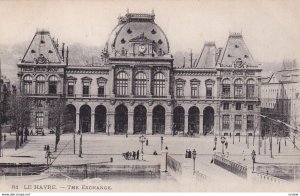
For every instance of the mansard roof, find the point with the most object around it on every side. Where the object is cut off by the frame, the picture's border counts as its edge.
(208, 56)
(234, 50)
(42, 50)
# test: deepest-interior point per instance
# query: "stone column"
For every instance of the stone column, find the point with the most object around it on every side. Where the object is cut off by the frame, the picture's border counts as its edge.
(244, 124)
(33, 87)
(168, 121)
(149, 80)
(149, 123)
(110, 128)
(186, 123)
(77, 122)
(93, 122)
(200, 123)
(130, 123)
(231, 123)
(216, 124)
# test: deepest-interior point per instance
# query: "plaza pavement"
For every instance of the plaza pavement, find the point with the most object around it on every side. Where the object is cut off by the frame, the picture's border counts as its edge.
(99, 148)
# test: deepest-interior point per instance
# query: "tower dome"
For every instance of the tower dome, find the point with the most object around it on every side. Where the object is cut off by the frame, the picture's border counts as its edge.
(137, 35)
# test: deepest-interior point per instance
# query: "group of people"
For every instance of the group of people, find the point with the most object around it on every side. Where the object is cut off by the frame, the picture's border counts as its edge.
(132, 155)
(188, 154)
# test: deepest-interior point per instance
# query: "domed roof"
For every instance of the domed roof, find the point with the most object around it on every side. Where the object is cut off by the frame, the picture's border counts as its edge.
(137, 28)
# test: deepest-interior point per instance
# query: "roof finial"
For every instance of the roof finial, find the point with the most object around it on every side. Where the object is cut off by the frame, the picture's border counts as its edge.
(127, 11)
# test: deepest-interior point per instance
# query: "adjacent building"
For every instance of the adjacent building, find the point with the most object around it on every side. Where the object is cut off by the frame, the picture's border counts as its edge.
(137, 89)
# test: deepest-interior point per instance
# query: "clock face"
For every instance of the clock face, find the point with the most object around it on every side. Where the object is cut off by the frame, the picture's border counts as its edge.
(238, 63)
(142, 48)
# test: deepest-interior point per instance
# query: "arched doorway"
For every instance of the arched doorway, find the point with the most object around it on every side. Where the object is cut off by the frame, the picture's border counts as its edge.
(208, 120)
(85, 118)
(158, 118)
(121, 119)
(100, 119)
(178, 120)
(70, 119)
(193, 120)
(140, 120)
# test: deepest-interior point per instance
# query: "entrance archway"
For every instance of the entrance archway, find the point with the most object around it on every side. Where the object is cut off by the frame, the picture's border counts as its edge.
(100, 119)
(121, 119)
(208, 120)
(140, 120)
(70, 119)
(85, 118)
(158, 123)
(193, 119)
(178, 120)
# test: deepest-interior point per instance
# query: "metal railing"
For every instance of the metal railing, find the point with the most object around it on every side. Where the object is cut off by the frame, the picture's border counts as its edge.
(231, 166)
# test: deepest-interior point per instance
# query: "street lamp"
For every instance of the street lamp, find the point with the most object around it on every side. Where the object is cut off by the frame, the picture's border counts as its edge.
(194, 158)
(108, 125)
(216, 139)
(161, 142)
(223, 141)
(253, 154)
(142, 140)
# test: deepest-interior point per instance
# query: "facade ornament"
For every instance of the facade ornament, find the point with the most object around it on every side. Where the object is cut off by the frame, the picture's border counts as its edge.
(112, 101)
(150, 102)
(131, 102)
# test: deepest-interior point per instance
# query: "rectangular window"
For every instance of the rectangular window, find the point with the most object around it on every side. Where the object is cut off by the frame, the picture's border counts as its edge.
(39, 119)
(250, 91)
(86, 89)
(226, 106)
(238, 90)
(226, 90)
(250, 107)
(40, 88)
(226, 122)
(52, 88)
(141, 87)
(71, 89)
(122, 87)
(101, 91)
(238, 106)
(179, 89)
(27, 87)
(208, 91)
(194, 90)
(238, 122)
(250, 122)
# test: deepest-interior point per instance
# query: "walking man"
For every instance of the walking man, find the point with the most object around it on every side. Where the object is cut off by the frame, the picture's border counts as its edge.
(133, 155)
(138, 155)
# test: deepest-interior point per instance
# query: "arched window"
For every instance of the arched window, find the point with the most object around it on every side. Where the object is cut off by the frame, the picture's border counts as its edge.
(209, 88)
(159, 85)
(250, 88)
(238, 88)
(226, 88)
(27, 81)
(53, 85)
(40, 85)
(122, 83)
(140, 84)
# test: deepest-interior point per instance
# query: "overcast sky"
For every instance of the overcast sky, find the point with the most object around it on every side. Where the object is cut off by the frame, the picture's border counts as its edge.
(271, 29)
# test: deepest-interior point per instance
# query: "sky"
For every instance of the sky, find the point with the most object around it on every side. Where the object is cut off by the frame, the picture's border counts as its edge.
(270, 28)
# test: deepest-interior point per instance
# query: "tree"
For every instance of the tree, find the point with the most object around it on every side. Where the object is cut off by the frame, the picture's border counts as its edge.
(20, 109)
(57, 117)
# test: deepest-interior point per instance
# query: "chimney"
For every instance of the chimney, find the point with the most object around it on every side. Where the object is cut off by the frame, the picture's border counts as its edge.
(63, 51)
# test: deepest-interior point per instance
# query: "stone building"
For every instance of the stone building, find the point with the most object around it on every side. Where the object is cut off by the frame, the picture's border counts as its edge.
(138, 89)
(280, 98)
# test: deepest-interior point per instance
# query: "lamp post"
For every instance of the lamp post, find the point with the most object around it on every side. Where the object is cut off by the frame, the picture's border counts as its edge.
(216, 139)
(108, 125)
(194, 158)
(142, 140)
(223, 141)
(161, 142)
(253, 154)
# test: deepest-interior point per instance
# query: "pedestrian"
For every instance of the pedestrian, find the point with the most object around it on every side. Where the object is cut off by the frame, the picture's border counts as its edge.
(147, 142)
(226, 144)
(126, 135)
(166, 148)
(48, 148)
(26, 133)
(190, 154)
(133, 155)
(138, 155)
(4, 137)
(154, 153)
(31, 132)
(244, 158)
(186, 153)
(230, 134)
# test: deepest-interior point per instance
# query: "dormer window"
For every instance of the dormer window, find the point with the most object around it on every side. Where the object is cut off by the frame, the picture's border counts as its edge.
(50, 51)
(236, 46)
(246, 56)
(153, 31)
(42, 41)
(123, 41)
(159, 41)
(32, 51)
(229, 55)
(129, 31)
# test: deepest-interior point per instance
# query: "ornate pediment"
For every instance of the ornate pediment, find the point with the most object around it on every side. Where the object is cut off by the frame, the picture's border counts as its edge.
(101, 80)
(180, 80)
(195, 81)
(86, 78)
(209, 81)
(71, 78)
